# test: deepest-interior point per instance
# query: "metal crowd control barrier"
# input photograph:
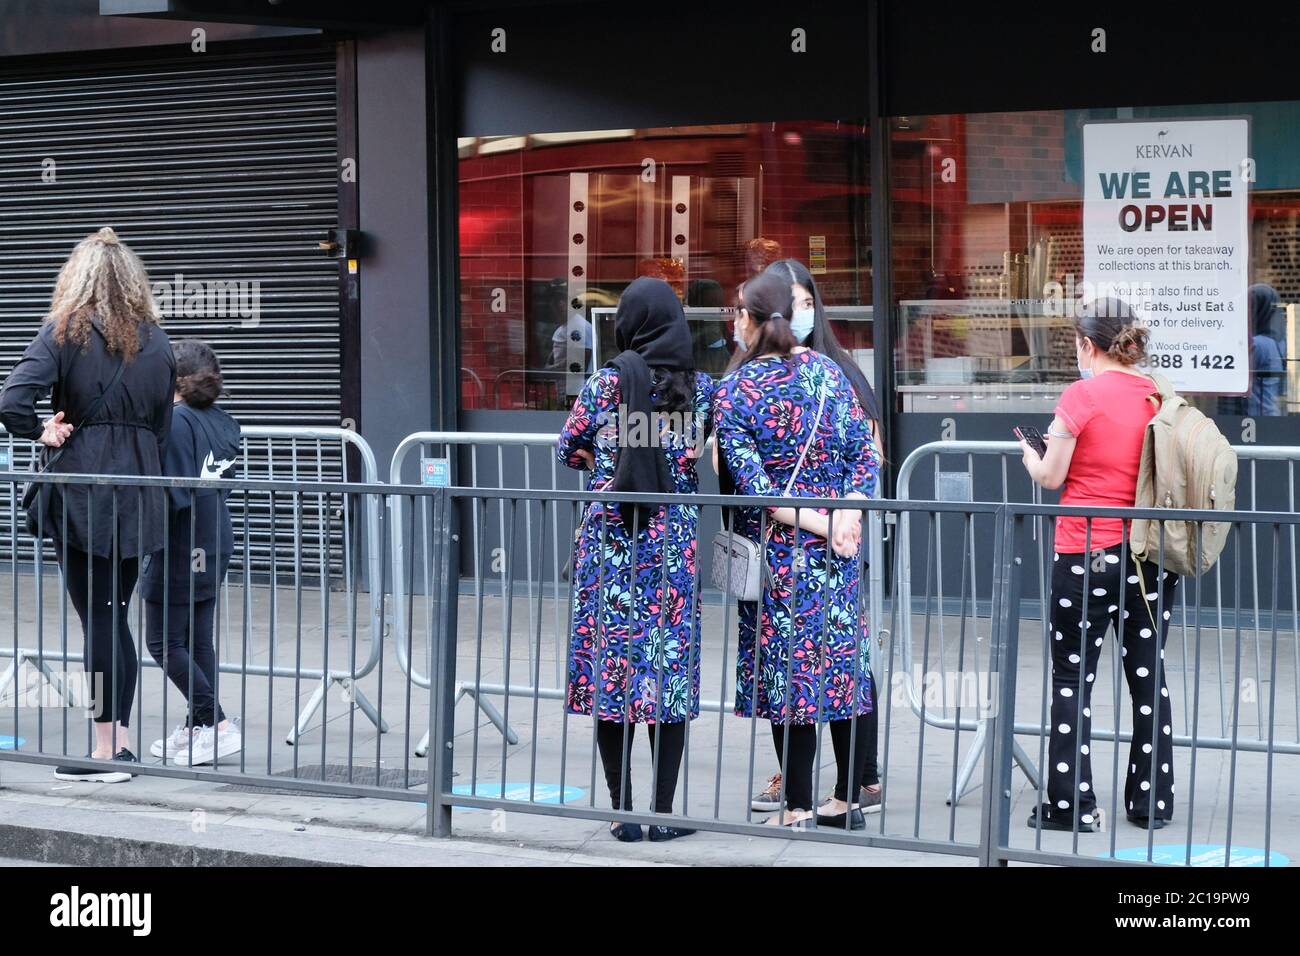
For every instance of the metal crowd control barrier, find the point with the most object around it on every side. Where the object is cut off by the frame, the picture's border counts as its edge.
(403, 558)
(1152, 776)
(506, 445)
(558, 752)
(562, 766)
(959, 485)
(278, 655)
(313, 454)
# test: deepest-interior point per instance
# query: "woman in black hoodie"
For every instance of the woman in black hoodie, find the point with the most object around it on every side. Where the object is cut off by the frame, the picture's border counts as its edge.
(180, 584)
(108, 367)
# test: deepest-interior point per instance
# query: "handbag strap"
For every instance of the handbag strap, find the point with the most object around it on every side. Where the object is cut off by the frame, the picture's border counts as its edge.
(817, 422)
(789, 485)
(95, 407)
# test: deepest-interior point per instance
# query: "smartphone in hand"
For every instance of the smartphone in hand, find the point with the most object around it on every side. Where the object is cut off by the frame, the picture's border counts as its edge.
(1032, 437)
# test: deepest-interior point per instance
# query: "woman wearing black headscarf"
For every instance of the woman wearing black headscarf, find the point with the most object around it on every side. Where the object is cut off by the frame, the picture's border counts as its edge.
(638, 426)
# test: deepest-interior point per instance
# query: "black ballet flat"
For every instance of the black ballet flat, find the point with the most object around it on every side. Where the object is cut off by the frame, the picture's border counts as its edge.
(1154, 823)
(1054, 820)
(658, 834)
(837, 820)
(626, 832)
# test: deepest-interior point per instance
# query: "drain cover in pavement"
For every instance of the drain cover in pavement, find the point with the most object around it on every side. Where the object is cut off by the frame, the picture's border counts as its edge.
(395, 778)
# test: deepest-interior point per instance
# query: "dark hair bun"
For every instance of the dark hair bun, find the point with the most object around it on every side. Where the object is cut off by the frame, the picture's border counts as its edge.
(1129, 345)
(198, 373)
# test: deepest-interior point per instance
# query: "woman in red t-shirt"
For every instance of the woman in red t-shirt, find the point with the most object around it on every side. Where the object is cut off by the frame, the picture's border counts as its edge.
(1093, 449)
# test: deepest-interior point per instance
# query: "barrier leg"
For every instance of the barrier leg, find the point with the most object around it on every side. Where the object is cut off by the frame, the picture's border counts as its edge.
(963, 785)
(973, 757)
(367, 708)
(489, 711)
(308, 712)
(1026, 764)
(55, 679)
(492, 714)
(10, 675)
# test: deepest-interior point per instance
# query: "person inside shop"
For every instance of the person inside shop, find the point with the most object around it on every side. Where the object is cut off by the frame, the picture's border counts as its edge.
(1267, 357)
(1094, 445)
(634, 646)
(789, 424)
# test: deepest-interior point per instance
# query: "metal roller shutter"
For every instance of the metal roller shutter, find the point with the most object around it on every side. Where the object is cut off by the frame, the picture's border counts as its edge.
(216, 167)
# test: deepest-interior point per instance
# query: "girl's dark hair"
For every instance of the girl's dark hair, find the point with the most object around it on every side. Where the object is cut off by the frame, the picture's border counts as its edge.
(673, 389)
(198, 373)
(1113, 328)
(769, 301)
(823, 337)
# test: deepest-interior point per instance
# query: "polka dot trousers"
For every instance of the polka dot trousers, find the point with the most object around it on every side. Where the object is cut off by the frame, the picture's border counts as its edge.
(1089, 592)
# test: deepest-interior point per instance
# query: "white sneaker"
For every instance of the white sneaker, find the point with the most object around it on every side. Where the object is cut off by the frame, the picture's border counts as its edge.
(176, 743)
(210, 743)
(230, 740)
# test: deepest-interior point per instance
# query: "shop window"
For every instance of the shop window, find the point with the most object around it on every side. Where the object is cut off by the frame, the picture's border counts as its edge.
(553, 227)
(988, 229)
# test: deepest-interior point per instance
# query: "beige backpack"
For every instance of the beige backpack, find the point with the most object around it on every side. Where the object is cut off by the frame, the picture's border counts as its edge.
(1186, 463)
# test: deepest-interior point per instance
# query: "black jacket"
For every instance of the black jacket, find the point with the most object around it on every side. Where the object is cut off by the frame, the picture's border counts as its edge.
(204, 443)
(126, 437)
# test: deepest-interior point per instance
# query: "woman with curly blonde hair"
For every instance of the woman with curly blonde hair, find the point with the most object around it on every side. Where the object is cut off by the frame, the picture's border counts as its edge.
(109, 369)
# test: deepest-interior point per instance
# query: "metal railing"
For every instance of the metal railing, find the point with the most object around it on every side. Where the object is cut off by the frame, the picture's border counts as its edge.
(287, 633)
(1242, 817)
(273, 533)
(557, 768)
(493, 459)
(1005, 482)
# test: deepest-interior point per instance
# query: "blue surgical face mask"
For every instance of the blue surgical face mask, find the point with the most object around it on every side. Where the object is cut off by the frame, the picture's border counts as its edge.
(1084, 371)
(801, 323)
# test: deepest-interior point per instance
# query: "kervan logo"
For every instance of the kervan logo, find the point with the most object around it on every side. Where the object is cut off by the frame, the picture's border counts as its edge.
(103, 909)
(1161, 150)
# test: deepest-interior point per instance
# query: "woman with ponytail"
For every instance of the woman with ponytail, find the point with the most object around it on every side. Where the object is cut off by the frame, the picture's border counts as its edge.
(788, 423)
(108, 366)
(1094, 448)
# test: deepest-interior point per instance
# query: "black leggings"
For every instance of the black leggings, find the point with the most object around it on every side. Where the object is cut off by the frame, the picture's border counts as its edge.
(668, 739)
(110, 659)
(798, 770)
(191, 659)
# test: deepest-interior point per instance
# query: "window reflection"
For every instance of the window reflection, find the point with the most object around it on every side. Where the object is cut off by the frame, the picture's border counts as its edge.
(987, 214)
(554, 226)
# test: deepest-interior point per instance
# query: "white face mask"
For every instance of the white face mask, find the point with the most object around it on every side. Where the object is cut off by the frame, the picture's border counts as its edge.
(738, 339)
(801, 323)
(1084, 371)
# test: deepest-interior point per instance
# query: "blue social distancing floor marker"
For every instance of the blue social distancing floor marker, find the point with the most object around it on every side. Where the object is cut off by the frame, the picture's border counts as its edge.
(537, 793)
(1203, 854)
(10, 743)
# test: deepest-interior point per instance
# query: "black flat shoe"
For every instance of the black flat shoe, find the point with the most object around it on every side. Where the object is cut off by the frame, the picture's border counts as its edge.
(626, 832)
(836, 820)
(658, 834)
(83, 775)
(1154, 823)
(1059, 820)
(125, 756)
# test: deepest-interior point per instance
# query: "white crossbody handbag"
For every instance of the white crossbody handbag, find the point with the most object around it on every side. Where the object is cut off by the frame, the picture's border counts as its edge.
(740, 563)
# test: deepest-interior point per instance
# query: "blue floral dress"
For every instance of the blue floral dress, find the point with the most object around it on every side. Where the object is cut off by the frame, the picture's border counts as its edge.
(812, 656)
(634, 653)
